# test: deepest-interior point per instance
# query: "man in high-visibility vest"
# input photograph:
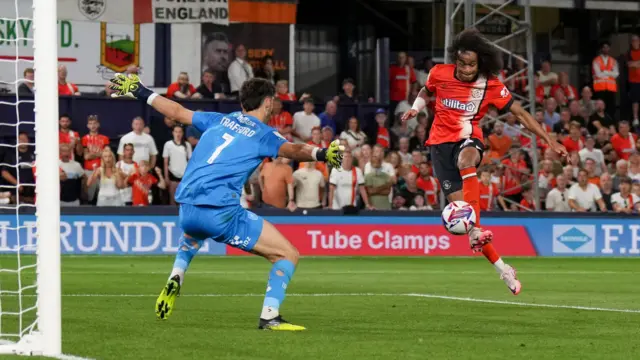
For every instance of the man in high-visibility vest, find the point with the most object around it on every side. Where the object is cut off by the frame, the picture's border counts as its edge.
(605, 75)
(633, 62)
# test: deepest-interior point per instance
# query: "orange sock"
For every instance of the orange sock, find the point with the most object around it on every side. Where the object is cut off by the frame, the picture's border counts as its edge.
(471, 194)
(471, 190)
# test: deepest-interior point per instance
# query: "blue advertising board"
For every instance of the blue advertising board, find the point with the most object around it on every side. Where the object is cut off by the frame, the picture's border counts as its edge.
(103, 234)
(158, 232)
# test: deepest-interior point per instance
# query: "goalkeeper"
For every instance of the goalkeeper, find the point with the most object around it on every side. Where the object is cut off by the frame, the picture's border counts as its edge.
(230, 148)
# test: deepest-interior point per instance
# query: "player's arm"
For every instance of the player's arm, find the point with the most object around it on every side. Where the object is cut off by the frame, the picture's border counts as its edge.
(532, 125)
(131, 86)
(304, 152)
(419, 104)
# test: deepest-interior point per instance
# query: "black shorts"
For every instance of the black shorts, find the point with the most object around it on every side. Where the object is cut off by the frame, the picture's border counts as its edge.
(634, 92)
(444, 158)
(174, 178)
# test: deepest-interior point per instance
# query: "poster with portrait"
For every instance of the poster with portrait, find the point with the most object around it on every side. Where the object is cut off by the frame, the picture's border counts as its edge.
(220, 42)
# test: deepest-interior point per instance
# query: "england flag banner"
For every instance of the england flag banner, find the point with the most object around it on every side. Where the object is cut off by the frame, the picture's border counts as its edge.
(131, 11)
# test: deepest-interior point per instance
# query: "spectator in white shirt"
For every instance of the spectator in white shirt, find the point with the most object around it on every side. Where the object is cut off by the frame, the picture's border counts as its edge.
(354, 135)
(625, 201)
(304, 122)
(583, 196)
(511, 127)
(176, 154)
(558, 198)
(309, 185)
(403, 150)
(385, 167)
(546, 77)
(378, 151)
(143, 144)
(589, 152)
(239, 70)
(343, 188)
(72, 178)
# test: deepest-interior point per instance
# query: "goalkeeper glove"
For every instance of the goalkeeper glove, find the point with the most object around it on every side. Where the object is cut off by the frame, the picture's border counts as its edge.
(129, 86)
(331, 155)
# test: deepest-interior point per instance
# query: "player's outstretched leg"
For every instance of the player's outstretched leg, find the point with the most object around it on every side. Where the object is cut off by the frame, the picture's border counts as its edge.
(187, 249)
(481, 239)
(273, 246)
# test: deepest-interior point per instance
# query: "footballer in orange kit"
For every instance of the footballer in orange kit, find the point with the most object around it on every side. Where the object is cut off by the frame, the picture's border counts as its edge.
(463, 92)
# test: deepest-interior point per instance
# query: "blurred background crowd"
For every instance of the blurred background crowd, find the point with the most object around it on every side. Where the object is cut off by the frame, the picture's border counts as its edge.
(596, 117)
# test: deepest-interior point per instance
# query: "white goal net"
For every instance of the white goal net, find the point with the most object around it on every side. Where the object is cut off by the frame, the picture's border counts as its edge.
(30, 313)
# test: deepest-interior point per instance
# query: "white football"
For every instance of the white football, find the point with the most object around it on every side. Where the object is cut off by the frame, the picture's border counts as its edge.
(458, 217)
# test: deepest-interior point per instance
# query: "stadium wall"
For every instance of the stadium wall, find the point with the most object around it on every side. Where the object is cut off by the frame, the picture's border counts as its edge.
(155, 231)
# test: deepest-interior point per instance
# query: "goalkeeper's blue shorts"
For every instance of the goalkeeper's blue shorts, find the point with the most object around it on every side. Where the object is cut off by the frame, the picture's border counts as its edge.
(232, 225)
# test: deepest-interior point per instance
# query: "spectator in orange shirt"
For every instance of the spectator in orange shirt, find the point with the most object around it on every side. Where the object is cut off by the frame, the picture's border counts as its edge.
(489, 193)
(93, 144)
(575, 141)
(401, 76)
(514, 169)
(282, 92)
(430, 185)
(490, 156)
(624, 142)
(142, 181)
(281, 120)
(379, 132)
(498, 141)
(70, 137)
(563, 84)
(416, 159)
(64, 87)
(182, 89)
(316, 140)
(590, 167)
(527, 203)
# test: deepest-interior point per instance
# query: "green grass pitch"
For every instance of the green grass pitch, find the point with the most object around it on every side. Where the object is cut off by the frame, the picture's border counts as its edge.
(354, 308)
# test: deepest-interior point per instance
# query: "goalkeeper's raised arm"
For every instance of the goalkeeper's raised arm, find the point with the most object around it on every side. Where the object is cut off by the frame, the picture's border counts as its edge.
(130, 86)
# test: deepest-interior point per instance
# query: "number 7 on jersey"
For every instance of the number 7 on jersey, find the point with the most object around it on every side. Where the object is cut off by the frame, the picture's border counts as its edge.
(227, 140)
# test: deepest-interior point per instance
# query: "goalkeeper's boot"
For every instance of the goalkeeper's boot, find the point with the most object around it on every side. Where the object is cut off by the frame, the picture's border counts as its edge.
(479, 238)
(509, 277)
(279, 324)
(164, 303)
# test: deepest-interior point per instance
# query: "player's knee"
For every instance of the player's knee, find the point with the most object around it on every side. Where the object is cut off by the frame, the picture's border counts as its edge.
(466, 161)
(288, 253)
(293, 255)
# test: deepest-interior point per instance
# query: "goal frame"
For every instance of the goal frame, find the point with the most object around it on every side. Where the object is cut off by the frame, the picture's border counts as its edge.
(46, 340)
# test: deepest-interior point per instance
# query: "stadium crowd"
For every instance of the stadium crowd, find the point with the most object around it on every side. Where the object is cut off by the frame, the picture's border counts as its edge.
(387, 165)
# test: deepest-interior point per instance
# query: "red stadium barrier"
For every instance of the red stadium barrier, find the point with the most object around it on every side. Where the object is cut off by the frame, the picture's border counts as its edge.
(395, 240)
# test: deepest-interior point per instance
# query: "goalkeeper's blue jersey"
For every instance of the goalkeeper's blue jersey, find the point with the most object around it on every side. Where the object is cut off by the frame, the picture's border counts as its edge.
(230, 149)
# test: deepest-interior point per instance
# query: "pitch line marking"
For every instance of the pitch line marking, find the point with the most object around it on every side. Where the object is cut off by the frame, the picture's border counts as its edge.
(429, 296)
(346, 272)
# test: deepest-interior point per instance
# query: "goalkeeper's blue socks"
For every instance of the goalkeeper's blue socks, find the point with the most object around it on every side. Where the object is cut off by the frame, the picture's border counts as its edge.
(187, 249)
(279, 278)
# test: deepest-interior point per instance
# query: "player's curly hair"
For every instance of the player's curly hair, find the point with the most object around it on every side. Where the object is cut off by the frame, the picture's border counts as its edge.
(489, 57)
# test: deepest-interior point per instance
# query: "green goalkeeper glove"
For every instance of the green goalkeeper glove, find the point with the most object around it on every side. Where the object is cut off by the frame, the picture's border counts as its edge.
(129, 86)
(332, 155)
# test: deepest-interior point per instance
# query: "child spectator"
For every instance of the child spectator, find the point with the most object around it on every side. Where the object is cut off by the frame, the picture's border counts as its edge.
(141, 183)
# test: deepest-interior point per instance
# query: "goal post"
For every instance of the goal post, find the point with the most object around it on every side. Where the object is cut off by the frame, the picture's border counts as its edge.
(40, 334)
(49, 313)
